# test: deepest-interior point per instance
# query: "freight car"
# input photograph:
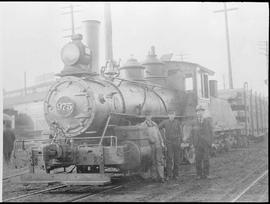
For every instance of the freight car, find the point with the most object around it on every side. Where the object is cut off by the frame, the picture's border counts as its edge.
(250, 110)
(93, 113)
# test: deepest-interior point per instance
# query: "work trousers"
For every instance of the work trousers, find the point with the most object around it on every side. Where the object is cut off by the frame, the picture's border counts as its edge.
(7, 150)
(202, 153)
(158, 162)
(173, 159)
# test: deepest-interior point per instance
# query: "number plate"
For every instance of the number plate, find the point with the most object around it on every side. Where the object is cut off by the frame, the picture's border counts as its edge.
(65, 106)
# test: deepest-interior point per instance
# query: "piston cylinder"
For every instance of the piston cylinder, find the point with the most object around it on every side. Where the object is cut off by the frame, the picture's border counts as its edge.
(137, 151)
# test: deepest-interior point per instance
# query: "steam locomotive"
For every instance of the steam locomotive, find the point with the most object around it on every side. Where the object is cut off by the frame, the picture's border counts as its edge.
(93, 113)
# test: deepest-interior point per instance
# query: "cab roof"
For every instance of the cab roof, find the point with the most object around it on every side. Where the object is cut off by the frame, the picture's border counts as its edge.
(193, 65)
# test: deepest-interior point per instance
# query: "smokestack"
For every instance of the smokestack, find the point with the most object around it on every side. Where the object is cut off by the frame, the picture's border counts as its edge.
(91, 39)
(108, 33)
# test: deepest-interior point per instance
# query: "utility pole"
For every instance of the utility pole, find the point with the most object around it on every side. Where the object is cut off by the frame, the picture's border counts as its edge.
(223, 77)
(263, 45)
(111, 67)
(71, 12)
(225, 10)
(108, 32)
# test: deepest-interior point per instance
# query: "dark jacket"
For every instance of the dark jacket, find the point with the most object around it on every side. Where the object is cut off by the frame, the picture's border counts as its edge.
(202, 133)
(173, 130)
(8, 142)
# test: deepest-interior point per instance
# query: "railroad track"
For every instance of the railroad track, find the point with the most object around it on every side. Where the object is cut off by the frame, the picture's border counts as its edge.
(34, 193)
(236, 190)
(80, 198)
(227, 196)
(83, 198)
(14, 175)
(237, 198)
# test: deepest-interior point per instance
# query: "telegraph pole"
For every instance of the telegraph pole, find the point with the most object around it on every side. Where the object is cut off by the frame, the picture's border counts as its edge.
(225, 10)
(263, 45)
(72, 19)
(223, 77)
(71, 12)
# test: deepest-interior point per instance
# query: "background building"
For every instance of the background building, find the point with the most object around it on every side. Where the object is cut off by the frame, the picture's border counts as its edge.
(27, 104)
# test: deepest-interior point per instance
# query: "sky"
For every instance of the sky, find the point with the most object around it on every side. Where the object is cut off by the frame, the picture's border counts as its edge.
(32, 35)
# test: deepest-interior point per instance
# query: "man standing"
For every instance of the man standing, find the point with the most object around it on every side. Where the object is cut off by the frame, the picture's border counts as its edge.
(157, 144)
(173, 135)
(202, 136)
(8, 141)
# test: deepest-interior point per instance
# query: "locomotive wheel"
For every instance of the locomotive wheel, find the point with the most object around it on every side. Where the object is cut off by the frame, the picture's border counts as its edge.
(190, 154)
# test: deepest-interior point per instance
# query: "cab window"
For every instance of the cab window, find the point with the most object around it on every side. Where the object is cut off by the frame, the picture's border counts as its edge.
(188, 83)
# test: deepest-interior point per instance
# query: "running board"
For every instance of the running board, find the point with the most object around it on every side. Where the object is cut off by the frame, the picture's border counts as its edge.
(69, 179)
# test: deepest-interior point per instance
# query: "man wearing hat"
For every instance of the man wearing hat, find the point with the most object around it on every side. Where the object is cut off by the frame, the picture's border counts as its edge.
(173, 135)
(157, 144)
(8, 140)
(202, 136)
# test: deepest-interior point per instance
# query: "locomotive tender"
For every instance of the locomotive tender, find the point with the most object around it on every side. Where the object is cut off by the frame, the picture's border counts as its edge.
(93, 113)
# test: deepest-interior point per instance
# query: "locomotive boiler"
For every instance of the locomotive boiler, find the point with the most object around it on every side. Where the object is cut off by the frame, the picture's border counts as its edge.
(79, 104)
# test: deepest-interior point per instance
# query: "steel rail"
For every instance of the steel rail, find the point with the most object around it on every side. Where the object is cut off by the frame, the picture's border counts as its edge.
(235, 183)
(252, 184)
(83, 197)
(15, 175)
(34, 193)
(241, 180)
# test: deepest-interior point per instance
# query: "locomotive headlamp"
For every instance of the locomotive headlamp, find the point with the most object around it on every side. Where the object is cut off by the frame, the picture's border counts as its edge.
(70, 54)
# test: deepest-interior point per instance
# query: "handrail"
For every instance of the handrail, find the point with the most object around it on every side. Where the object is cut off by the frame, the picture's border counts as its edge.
(144, 98)
(32, 140)
(74, 138)
(105, 129)
(153, 116)
(116, 142)
(120, 93)
(163, 102)
(141, 83)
